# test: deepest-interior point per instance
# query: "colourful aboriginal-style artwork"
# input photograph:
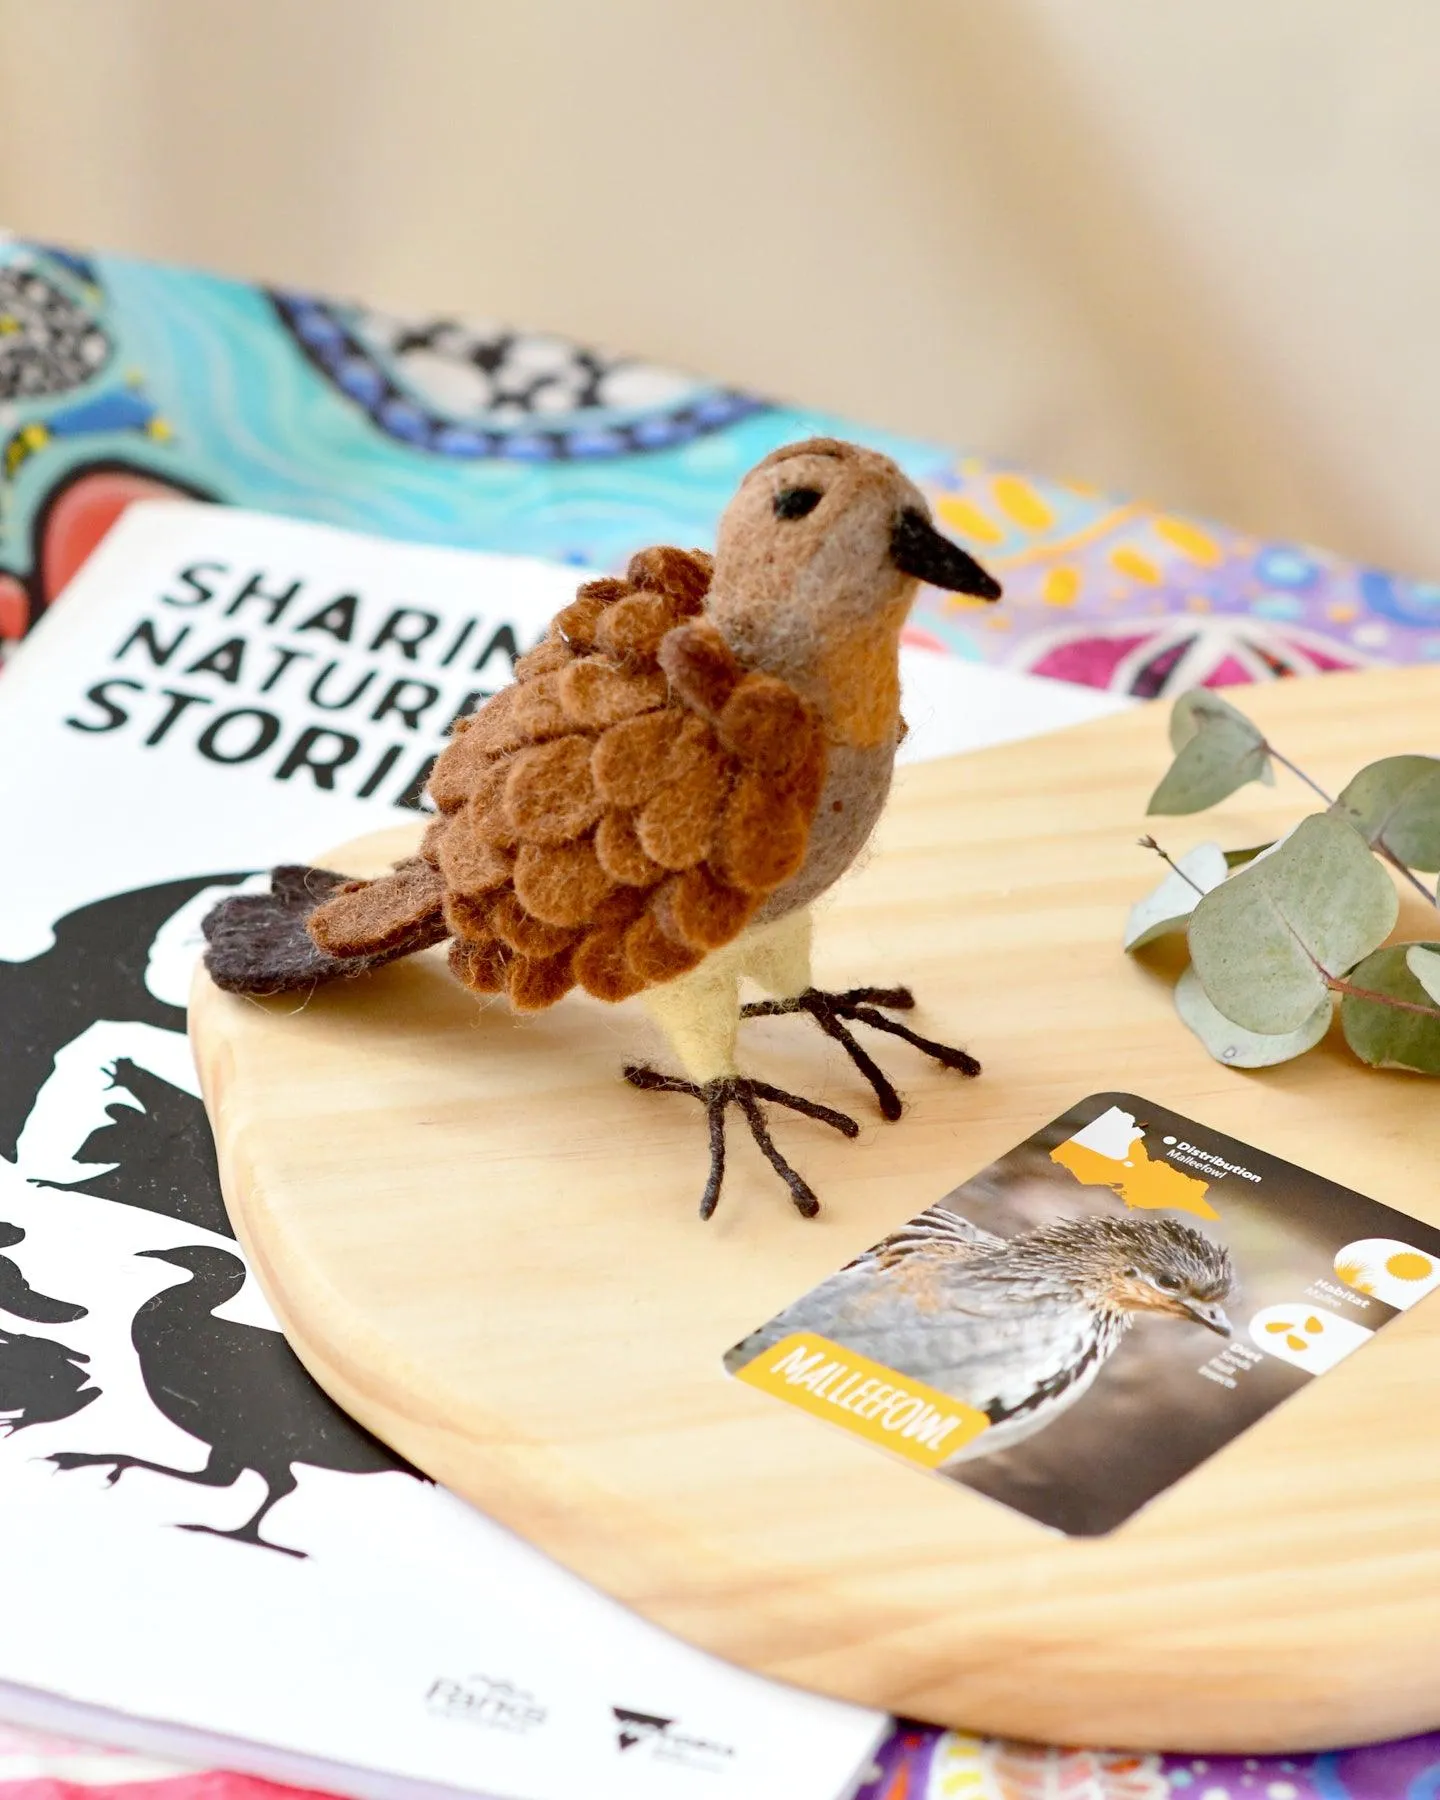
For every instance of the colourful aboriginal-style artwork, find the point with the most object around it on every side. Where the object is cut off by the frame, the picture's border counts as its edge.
(121, 379)
(1117, 595)
(918, 1764)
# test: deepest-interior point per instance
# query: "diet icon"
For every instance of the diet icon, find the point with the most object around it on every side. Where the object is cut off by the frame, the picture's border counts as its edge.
(1311, 1337)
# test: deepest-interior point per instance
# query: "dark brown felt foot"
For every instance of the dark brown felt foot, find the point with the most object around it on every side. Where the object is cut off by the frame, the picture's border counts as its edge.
(858, 1004)
(738, 1090)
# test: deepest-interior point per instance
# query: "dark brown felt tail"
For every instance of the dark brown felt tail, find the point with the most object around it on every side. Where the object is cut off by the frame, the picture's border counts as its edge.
(316, 926)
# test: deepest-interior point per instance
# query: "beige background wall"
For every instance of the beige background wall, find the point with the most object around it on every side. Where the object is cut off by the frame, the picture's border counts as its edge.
(1186, 249)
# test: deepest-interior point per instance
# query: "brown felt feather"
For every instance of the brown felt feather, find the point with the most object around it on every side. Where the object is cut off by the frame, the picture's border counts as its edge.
(621, 809)
(358, 921)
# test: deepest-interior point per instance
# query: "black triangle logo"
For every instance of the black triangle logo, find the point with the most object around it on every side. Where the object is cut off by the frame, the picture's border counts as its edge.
(636, 1726)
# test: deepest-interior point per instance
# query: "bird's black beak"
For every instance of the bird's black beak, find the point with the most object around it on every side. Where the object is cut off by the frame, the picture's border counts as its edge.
(918, 549)
(1210, 1314)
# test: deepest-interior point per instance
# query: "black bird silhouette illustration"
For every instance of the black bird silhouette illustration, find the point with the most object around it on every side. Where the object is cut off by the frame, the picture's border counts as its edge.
(162, 1151)
(95, 969)
(241, 1391)
(18, 1297)
(41, 1382)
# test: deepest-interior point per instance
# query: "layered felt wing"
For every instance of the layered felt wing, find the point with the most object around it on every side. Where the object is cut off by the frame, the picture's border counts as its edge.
(624, 807)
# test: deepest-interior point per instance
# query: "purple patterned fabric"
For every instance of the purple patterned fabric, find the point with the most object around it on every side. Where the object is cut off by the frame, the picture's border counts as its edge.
(917, 1763)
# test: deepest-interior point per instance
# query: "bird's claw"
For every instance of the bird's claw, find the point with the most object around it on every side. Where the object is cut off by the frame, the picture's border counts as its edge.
(739, 1090)
(244, 1535)
(65, 1460)
(831, 1010)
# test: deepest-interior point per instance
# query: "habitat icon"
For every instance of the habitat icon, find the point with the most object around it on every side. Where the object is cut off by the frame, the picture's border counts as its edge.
(1110, 1152)
(1389, 1270)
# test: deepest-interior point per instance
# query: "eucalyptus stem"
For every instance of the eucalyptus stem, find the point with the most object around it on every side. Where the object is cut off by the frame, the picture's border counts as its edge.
(1402, 868)
(1148, 843)
(1297, 772)
(1380, 846)
(1339, 985)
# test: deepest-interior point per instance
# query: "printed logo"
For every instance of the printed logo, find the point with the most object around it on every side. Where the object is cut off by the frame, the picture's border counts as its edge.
(1110, 1152)
(485, 1700)
(661, 1739)
(1311, 1337)
(1396, 1273)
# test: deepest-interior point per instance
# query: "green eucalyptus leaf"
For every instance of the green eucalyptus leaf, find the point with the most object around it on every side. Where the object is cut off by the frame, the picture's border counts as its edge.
(1198, 707)
(1237, 1048)
(1237, 859)
(1217, 751)
(1167, 907)
(1424, 965)
(1395, 803)
(1262, 942)
(1392, 1037)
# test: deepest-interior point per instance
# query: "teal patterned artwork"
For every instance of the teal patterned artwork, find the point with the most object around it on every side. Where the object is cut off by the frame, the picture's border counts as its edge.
(121, 379)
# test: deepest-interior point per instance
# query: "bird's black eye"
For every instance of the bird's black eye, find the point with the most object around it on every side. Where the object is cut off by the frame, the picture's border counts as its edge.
(794, 503)
(1169, 1284)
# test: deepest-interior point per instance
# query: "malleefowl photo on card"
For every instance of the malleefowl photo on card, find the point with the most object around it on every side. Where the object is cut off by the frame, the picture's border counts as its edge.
(1078, 1326)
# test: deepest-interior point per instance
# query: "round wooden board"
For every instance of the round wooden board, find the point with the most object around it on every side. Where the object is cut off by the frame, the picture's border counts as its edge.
(485, 1246)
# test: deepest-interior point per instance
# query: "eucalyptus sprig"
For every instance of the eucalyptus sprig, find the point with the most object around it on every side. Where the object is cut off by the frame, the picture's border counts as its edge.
(1279, 933)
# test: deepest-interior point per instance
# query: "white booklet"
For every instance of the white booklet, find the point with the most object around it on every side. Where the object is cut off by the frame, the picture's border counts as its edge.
(198, 1541)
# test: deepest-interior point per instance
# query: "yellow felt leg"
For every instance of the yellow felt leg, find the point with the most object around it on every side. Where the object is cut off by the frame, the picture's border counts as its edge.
(699, 1013)
(777, 956)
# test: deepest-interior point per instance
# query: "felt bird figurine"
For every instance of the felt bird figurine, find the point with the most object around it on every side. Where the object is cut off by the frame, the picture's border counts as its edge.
(1018, 1328)
(686, 762)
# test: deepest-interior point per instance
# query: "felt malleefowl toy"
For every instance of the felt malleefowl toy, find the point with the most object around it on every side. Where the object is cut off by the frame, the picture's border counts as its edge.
(685, 763)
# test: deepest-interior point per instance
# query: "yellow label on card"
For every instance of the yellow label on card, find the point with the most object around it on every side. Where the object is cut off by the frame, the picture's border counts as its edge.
(878, 1404)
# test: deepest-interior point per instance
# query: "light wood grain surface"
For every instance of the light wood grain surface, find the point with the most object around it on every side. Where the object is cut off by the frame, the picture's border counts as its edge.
(485, 1246)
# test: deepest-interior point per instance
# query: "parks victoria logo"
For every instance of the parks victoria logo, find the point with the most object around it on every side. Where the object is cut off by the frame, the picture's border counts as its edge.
(485, 1700)
(662, 1739)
